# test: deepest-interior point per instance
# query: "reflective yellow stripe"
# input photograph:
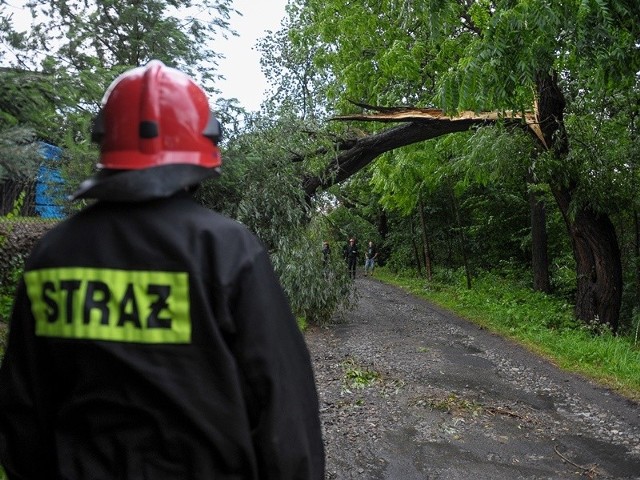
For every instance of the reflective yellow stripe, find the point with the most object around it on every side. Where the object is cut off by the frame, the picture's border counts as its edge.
(109, 304)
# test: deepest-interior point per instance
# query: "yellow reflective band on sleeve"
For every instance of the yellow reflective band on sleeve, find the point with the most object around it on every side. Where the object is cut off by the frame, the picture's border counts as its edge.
(112, 305)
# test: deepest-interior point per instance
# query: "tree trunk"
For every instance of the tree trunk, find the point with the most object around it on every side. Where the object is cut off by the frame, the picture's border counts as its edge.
(383, 230)
(361, 152)
(636, 251)
(425, 242)
(382, 225)
(416, 253)
(539, 243)
(598, 264)
(593, 236)
(463, 239)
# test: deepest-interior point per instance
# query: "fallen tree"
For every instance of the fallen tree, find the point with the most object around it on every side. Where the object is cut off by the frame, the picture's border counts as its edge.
(592, 234)
(420, 124)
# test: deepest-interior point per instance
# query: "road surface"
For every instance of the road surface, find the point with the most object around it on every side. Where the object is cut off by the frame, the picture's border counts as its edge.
(409, 391)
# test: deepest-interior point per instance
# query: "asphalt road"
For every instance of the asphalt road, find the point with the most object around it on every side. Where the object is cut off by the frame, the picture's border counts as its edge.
(409, 391)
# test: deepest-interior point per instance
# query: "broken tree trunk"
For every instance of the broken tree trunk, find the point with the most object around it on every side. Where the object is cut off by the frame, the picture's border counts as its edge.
(593, 237)
(423, 124)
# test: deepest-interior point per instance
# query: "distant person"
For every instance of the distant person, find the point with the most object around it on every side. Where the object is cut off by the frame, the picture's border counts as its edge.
(326, 252)
(370, 259)
(150, 337)
(345, 250)
(352, 257)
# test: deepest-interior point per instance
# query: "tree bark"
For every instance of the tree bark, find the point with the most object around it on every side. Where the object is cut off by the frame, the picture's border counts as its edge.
(636, 251)
(462, 238)
(593, 236)
(416, 253)
(425, 242)
(383, 230)
(367, 149)
(420, 124)
(598, 264)
(539, 243)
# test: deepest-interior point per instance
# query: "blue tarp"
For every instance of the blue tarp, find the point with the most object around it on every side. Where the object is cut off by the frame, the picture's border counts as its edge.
(49, 182)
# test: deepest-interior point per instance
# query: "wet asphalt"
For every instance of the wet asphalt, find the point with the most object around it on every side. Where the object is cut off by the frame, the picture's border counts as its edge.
(441, 398)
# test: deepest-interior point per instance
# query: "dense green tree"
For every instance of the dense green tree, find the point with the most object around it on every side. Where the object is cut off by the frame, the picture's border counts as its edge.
(88, 37)
(59, 67)
(19, 157)
(297, 83)
(518, 59)
(512, 54)
(27, 107)
(74, 49)
(260, 187)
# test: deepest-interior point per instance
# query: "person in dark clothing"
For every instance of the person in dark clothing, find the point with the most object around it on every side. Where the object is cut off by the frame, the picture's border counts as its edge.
(352, 257)
(326, 252)
(150, 337)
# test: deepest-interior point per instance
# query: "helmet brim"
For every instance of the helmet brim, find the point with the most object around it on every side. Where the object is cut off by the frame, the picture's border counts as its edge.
(144, 184)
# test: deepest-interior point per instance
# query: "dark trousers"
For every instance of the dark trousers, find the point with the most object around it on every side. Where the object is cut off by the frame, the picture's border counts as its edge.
(351, 263)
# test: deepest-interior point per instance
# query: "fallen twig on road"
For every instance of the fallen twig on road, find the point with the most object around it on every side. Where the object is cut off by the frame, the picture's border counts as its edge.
(590, 471)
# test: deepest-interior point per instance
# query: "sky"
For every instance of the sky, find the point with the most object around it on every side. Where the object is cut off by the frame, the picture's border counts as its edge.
(241, 67)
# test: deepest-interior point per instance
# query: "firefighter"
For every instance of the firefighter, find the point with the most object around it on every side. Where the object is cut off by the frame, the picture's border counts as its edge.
(150, 337)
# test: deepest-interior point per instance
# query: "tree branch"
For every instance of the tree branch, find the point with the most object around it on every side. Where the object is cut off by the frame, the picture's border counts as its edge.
(421, 124)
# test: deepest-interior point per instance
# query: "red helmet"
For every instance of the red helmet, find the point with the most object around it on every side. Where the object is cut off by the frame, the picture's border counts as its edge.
(154, 122)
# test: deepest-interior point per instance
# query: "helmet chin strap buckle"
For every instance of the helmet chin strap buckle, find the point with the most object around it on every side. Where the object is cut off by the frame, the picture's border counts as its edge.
(148, 129)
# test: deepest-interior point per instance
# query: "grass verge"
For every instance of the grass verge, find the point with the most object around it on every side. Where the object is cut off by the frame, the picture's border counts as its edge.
(542, 323)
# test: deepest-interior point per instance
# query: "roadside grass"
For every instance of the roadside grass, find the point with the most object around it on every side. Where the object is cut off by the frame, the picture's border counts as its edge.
(302, 325)
(542, 323)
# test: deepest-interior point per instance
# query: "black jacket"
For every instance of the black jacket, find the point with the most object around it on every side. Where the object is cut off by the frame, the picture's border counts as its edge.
(154, 341)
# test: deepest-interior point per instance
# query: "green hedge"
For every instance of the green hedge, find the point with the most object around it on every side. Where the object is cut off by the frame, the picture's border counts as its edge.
(18, 235)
